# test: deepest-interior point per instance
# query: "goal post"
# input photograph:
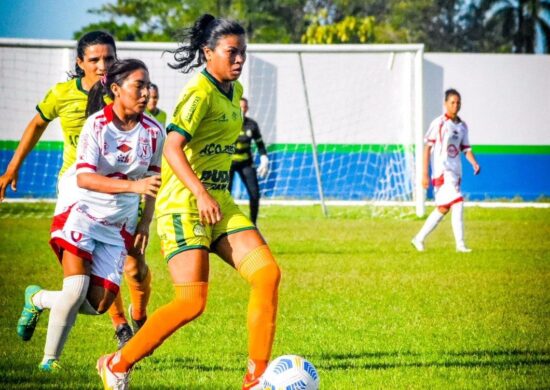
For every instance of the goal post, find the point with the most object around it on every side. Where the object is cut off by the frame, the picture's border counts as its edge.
(342, 122)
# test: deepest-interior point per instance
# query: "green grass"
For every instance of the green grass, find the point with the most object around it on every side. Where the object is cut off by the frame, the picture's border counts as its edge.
(355, 299)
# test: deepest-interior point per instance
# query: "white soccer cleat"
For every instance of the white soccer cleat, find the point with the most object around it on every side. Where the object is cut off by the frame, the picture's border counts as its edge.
(463, 249)
(419, 245)
(112, 380)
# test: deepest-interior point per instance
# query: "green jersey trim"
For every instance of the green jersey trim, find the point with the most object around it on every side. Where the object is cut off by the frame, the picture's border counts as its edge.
(79, 86)
(187, 248)
(211, 78)
(177, 129)
(42, 115)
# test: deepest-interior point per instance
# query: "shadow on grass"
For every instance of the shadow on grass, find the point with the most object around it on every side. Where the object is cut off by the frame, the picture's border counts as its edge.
(466, 359)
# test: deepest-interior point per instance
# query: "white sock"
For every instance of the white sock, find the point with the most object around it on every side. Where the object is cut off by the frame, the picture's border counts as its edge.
(457, 220)
(63, 314)
(44, 299)
(433, 220)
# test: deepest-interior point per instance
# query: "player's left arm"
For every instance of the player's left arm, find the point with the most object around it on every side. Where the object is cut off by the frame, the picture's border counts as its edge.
(467, 149)
(141, 238)
(263, 168)
(472, 159)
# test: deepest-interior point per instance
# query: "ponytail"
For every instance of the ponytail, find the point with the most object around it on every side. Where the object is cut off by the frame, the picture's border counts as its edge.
(205, 32)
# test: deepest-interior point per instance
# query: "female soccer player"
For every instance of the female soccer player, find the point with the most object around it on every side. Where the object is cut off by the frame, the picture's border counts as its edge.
(96, 216)
(152, 108)
(195, 211)
(95, 52)
(243, 164)
(445, 139)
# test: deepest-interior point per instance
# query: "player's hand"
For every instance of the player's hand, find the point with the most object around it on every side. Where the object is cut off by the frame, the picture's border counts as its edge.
(5, 180)
(263, 168)
(209, 209)
(148, 186)
(425, 182)
(477, 169)
(141, 238)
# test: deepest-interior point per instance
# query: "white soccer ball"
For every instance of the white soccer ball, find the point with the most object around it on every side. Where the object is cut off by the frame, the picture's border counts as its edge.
(290, 372)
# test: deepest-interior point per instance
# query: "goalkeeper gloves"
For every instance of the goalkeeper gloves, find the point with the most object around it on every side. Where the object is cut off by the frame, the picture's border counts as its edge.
(263, 168)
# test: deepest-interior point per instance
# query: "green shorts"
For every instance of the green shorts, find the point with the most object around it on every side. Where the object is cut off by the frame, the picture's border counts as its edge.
(184, 231)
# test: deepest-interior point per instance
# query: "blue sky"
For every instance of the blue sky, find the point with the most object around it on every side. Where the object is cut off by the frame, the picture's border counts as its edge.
(45, 19)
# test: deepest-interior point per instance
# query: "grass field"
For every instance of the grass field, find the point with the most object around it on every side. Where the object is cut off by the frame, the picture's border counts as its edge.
(355, 299)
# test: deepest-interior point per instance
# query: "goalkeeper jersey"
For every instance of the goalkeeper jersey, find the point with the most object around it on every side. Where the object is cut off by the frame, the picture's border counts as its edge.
(210, 120)
(243, 148)
(67, 101)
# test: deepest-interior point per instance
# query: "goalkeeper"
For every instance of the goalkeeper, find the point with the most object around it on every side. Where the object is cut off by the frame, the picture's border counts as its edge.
(243, 163)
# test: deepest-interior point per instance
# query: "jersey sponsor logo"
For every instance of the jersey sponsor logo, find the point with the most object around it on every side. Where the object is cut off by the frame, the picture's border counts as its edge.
(234, 115)
(452, 151)
(73, 139)
(213, 148)
(192, 108)
(123, 158)
(215, 179)
(124, 148)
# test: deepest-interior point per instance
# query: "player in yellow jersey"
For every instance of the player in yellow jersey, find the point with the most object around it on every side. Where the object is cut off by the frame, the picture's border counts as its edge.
(152, 108)
(95, 52)
(195, 211)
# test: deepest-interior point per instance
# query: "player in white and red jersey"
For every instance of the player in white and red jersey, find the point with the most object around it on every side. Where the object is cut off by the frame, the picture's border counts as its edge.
(96, 216)
(445, 139)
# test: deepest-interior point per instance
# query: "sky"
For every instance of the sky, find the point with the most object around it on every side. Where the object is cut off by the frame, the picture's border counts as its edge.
(45, 19)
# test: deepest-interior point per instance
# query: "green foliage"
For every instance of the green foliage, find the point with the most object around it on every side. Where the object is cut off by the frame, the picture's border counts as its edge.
(355, 299)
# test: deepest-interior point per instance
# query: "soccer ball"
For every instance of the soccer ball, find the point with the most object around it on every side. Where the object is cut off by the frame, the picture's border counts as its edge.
(290, 372)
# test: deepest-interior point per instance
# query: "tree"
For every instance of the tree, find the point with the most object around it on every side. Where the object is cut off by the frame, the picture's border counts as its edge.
(518, 21)
(161, 20)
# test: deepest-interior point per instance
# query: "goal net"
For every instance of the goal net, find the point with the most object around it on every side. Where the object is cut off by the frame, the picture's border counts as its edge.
(340, 121)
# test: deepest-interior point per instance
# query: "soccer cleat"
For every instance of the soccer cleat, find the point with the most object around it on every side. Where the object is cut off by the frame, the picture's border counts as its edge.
(123, 333)
(51, 365)
(111, 380)
(251, 383)
(463, 249)
(30, 314)
(136, 324)
(419, 245)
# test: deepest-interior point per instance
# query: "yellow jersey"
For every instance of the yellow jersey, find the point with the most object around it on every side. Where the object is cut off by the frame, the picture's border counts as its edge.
(160, 116)
(67, 101)
(210, 120)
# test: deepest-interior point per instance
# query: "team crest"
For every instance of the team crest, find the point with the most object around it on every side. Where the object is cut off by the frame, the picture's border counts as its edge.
(144, 151)
(198, 230)
(452, 151)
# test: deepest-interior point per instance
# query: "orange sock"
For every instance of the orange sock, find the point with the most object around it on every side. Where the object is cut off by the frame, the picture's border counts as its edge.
(260, 270)
(139, 295)
(116, 311)
(189, 302)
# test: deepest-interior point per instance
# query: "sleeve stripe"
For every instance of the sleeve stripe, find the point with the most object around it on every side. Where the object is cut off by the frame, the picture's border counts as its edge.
(86, 165)
(42, 114)
(173, 127)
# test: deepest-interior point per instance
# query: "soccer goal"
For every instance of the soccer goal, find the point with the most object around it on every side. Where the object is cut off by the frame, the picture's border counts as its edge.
(342, 122)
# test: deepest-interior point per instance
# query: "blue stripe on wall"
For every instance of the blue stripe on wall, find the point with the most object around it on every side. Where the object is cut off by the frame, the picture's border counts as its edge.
(347, 176)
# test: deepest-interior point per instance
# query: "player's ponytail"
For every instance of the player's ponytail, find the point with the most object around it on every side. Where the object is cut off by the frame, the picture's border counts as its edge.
(116, 74)
(205, 32)
(90, 39)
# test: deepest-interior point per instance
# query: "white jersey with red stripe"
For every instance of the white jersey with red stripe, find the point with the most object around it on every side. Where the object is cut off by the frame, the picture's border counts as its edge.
(106, 150)
(447, 139)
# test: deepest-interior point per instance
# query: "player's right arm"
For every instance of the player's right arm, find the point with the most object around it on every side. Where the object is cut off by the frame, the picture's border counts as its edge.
(209, 210)
(31, 136)
(425, 166)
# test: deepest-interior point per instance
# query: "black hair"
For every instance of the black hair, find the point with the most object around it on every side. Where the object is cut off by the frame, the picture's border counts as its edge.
(451, 92)
(245, 99)
(154, 86)
(205, 32)
(90, 39)
(116, 74)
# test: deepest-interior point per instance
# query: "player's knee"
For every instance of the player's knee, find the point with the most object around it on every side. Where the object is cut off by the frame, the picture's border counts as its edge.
(135, 267)
(267, 277)
(443, 209)
(190, 304)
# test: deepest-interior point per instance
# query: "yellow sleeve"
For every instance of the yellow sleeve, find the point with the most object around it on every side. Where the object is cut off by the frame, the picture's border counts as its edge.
(189, 113)
(47, 108)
